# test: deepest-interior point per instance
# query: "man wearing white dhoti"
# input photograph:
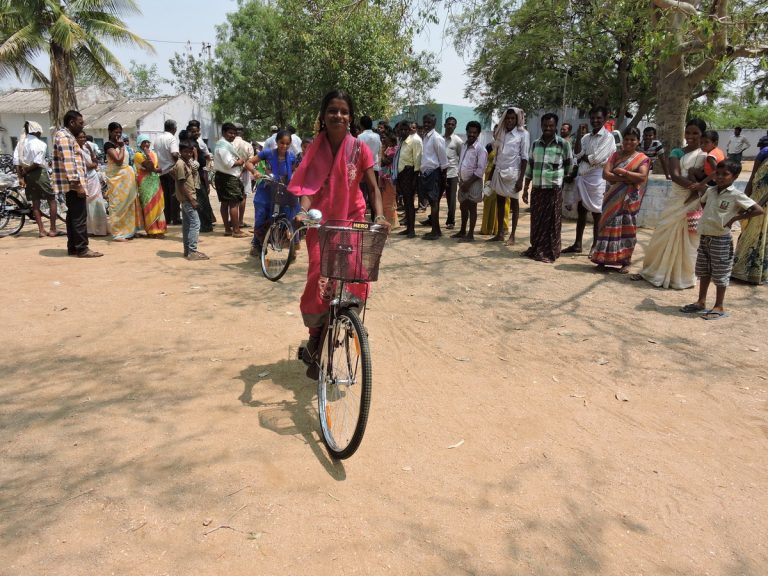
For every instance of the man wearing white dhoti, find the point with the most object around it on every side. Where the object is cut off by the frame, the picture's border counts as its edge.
(596, 148)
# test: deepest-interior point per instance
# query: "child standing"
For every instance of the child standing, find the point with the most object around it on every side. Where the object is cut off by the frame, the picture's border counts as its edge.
(186, 180)
(723, 205)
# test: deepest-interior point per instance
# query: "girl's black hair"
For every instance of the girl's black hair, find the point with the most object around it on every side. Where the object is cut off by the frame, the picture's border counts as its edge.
(282, 134)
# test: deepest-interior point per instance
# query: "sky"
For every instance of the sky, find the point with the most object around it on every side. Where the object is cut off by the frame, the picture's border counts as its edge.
(170, 24)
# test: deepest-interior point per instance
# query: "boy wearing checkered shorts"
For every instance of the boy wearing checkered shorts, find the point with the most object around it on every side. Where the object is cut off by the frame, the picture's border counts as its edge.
(723, 205)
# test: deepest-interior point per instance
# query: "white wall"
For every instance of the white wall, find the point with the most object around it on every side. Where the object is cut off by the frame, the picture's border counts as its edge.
(14, 126)
(182, 109)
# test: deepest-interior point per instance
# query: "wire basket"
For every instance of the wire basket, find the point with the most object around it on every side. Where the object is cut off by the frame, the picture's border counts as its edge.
(351, 251)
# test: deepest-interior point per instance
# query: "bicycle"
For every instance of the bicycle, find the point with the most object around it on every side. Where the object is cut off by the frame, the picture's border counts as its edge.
(349, 254)
(278, 247)
(13, 211)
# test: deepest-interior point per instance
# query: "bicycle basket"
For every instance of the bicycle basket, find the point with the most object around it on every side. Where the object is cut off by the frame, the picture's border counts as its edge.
(351, 251)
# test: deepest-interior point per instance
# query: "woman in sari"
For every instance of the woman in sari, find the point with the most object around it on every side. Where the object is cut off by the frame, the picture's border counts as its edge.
(149, 188)
(96, 207)
(489, 225)
(751, 260)
(328, 180)
(671, 254)
(124, 208)
(627, 171)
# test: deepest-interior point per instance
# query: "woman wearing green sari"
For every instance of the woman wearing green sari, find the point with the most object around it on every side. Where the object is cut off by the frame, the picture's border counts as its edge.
(150, 190)
(751, 260)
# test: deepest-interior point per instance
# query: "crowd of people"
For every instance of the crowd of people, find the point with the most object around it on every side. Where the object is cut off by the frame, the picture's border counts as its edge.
(597, 171)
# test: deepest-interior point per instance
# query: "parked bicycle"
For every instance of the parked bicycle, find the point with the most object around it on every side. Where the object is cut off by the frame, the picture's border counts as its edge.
(350, 253)
(13, 210)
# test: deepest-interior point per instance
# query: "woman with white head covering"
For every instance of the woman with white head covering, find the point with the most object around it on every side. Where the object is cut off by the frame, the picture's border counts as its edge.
(511, 142)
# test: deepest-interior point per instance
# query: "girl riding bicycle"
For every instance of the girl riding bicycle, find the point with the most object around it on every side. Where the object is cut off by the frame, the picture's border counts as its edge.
(328, 179)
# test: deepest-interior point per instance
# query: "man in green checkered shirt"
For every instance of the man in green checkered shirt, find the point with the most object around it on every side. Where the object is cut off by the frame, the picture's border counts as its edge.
(549, 161)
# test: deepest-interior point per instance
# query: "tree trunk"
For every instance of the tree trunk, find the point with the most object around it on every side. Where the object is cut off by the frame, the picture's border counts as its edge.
(673, 99)
(63, 96)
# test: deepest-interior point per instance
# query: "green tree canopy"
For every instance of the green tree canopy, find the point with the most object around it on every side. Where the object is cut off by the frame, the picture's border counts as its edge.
(72, 34)
(143, 81)
(275, 60)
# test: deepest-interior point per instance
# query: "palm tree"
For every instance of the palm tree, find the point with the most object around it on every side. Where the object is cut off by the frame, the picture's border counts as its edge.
(72, 34)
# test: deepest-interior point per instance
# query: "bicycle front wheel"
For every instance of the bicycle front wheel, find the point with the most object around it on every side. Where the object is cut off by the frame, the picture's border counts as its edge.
(344, 385)
(277, 250)
(12, 216)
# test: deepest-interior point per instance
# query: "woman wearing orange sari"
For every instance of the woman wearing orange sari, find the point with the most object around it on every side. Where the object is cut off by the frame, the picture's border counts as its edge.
(627, 171)
(328, 180)
(150, 190)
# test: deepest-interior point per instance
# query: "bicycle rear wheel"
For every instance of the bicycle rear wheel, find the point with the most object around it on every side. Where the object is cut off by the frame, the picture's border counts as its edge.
(344, 385)
(277, 250)
(61, 210)
(12, 216)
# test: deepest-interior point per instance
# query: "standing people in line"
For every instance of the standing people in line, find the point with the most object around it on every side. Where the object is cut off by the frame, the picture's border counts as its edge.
(408, 163)
(34, 169)
(328, 179)
(511, 142)
(596, 148)
(736, 145)
(750, 262)
(471, 170)
(723, 206)
(202, 155)
(186, 185)
(654, 149)
(69, 179)
(373, 141)
(244, 150)
(128, 149)
(149, 189)
(167, 150)
(97, 222)
(434, 165)
(387, 176)
(627, 172)
(549, 161)
(453, 151)
(229, 188)
(124, 208)
(671, 254)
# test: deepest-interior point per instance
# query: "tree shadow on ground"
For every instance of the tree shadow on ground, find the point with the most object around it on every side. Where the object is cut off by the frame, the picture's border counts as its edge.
(289, 417)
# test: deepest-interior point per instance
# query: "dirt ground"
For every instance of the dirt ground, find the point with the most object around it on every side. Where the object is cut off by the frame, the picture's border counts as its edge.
(526, 419)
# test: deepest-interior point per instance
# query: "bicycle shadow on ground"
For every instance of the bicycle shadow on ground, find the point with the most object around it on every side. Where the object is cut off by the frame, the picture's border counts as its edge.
(288, 417)
(54, 252)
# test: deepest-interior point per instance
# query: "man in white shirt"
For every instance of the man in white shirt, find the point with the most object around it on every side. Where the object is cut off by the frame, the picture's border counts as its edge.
(595, 150)
(295, 140)
(373, 141)
(453, 151)
(244, 150)
(736, 145)
(271, 142)
(228, 166)
(434, 166)
(167, 151)
(34, 168)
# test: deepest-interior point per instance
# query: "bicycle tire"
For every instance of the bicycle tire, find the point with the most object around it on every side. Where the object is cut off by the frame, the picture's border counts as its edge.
(60, 212)
(277, 250)
(11, 216)
(344, 385)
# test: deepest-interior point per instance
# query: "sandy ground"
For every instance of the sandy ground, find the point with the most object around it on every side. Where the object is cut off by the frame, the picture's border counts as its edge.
(153, 419)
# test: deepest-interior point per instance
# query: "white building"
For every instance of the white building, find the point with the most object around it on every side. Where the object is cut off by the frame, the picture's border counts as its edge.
(99, 107)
